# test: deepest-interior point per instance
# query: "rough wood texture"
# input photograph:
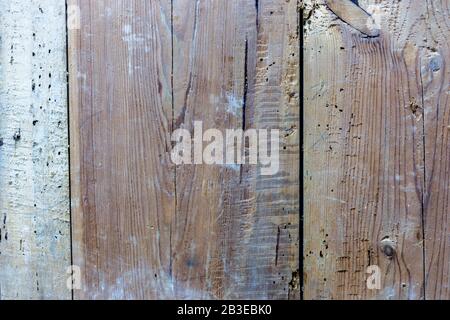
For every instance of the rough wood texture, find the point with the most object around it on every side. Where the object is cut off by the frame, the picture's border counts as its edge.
(123, 182)
(351, 13)
(435, 80)
(376, 152)
(236, 65)
(34, 176)
(144, 228)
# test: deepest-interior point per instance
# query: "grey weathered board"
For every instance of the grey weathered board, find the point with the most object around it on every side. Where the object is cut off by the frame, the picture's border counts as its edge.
(377, 153)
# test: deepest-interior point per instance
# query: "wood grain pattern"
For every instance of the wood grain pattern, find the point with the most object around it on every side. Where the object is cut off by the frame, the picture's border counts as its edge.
(241, 226)
(276, 98)
(364, 153)
(34, 168)
(144, 228)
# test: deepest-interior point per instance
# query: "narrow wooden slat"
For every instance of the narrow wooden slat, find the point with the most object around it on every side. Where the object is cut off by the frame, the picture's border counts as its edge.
(435, 78)
(34, 179)
(209, 59)
(273, 236)
(364, 153)
(355, 16)
(236, 66)
(144, 228)
(122, 178)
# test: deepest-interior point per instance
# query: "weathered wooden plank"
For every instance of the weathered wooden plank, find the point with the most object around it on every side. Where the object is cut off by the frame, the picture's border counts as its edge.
(34, 179)
(220, 231)
(209, 59)
(236, 66)
(364, 153)
(144, 228)
(122, 178)
(435, 79)
(351, 13)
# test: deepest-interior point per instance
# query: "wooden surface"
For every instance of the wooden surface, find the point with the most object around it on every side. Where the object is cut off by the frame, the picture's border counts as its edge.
(377, 152)
(34, 170)
(376, 149)
(122, 179)
(435, 79)
(144, 228)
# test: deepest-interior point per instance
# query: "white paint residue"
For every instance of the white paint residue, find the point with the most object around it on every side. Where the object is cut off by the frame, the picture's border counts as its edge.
(234, 105)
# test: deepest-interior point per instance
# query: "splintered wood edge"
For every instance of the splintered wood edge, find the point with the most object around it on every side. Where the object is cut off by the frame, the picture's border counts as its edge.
(354, 16)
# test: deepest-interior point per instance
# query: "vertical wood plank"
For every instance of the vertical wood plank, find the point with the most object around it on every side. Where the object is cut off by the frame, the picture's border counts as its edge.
(364, 153)
(34, 179)
(209, 59)
(273, 236)
(236, 66)
(435, 78)
(123, 181)
(144, 228)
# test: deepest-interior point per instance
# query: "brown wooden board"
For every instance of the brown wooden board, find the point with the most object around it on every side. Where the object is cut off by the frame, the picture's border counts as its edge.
(143, 227)
(122, 178)
(376, 150)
